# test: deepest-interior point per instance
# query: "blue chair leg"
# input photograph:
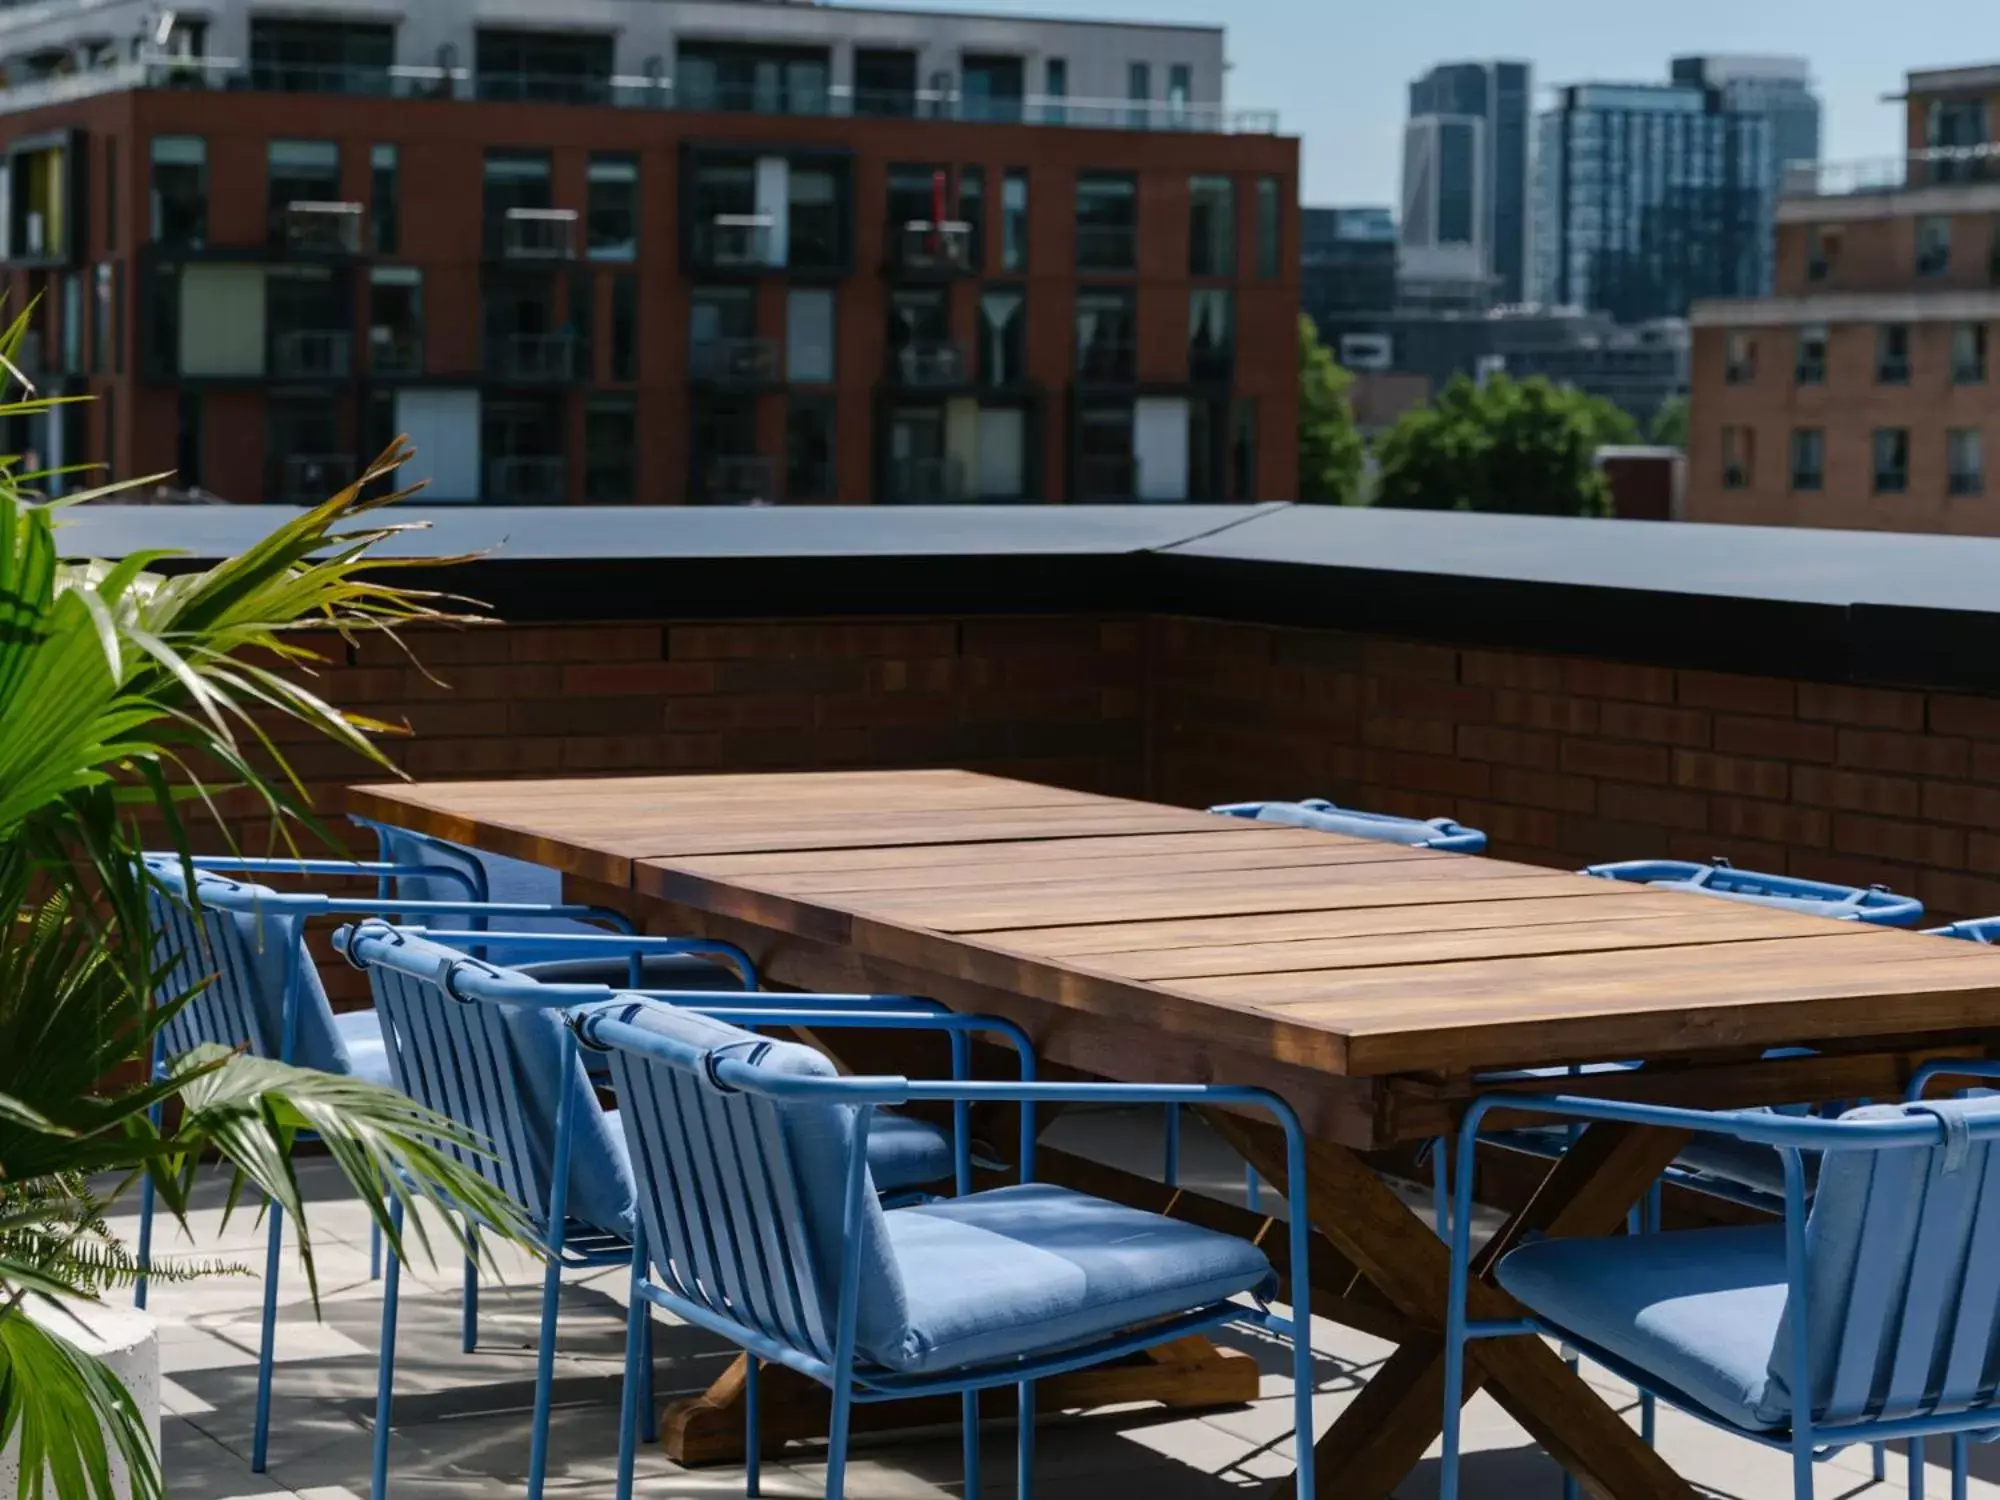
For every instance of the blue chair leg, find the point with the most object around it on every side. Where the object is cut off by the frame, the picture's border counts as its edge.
(649, 1423)
(385, 1380)
(969, 1420)
(1881, 1465)
(753, 1429)
(1960, 1446)
(836, 1439)
(637, 1325)
(1024, 1441)
(145, 1240)
(1571, 1489)
(1916, 1468)
(260, 1439)
(545, 1378)
(1441, 1188)
(469, 1299)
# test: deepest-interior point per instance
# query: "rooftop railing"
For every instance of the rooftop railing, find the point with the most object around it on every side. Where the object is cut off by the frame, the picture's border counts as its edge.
(632, 91)
(1936, 167)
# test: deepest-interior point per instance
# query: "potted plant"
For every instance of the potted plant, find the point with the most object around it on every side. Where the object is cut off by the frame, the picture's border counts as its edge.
(131, 704)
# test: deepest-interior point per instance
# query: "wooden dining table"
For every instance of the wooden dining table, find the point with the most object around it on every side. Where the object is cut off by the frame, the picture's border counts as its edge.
(1377, 988)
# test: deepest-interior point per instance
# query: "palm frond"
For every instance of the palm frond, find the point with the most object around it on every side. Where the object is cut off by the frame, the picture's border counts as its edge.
(69, 1414)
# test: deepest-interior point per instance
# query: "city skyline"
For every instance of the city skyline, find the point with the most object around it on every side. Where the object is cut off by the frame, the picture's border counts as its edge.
(1353, 132)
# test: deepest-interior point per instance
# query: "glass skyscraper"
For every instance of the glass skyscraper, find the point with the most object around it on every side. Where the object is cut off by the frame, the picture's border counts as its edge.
(1649, 196)
(1465, 178)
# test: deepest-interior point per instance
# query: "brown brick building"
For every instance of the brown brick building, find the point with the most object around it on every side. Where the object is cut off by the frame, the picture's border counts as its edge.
(759, 253)
(1862, 394)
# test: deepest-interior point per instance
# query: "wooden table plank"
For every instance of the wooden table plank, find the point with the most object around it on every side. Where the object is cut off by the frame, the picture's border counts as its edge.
(1239, 833)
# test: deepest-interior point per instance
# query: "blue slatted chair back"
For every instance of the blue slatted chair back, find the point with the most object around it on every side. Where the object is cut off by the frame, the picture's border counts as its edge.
(498, 1070)
(495, 876)
(1903, 1273)
(1443, 834)
(209, 952)
(741, 1196)
(1875, 904)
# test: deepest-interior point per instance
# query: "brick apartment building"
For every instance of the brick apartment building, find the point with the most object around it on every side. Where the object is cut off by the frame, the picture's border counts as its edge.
(700, 251)
(1862, 393)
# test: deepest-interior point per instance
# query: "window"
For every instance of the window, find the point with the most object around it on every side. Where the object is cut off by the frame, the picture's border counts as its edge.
(721, 322)
(304, 178)
(117, 319)
(1738, 457)
(1139, 89)
(1809, 364)
(885, 82)
(1243, 451)
(809, 449)
(920, 347)
(1270, 227)
(330, 57)
(1106, 222)
(1968, 354)
(1105, 469)
(815, 213)
(395, 321)
(1892, 354)
(1892, 460)
(1055, 85)
(554, 66)
(1993, 252)
(111, 193)
(611, 214)
(972, 210)
(1180, 91)
(1003, 336)
(991, 87)
(1965, 461)
(188, 441)
(100, 321)
(610, 451)
(385, 200)
(1808, 460)
(1211, 337)
(1106, 347)
(625, 326)
(72, 324)
(1822, 244)
(1014, 220)
(1211, 226)
(1739, 357)
(1933, 245)
(179, 190)
(765, 80)
(809, 336)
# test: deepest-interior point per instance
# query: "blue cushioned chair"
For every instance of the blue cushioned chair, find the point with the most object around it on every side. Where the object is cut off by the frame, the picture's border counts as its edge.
(1316, 812)
(487, 1046)
(1974, 930)
(263, 994)
(1867, 1316)
(1876, 904)
(759, 1220)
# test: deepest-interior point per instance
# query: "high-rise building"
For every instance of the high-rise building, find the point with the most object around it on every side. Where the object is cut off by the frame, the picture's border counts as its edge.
(1861, 394)
(648, 252)
(1779, 89)
(1649, 196)
(1347, 261)
(1464, 239)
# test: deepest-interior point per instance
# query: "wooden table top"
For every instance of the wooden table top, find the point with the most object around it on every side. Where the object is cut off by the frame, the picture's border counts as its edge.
(1311, 949)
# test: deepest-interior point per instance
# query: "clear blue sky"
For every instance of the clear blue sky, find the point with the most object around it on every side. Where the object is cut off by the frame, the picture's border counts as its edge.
(1336, 69)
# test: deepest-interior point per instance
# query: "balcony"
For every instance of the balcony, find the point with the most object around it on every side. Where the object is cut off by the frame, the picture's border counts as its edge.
(537, 480)
(392, 355)
(320, 228)
(312, 354)
(1938, 167)
(736, 364)
(1104, 477)
(1107, 247)
(532, 358)
(319, 78)
(734, 242)
(929, 364)
(934, 249)
(537, 234)
(926, 481)
(307, 479)
(739, 479)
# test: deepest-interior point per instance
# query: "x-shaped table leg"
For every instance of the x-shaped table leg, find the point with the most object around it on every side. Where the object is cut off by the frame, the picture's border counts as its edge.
(1382, 1436)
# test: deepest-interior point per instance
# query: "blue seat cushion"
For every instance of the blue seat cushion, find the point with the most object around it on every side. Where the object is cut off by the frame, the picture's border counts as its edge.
(904, 1153)
(1697, 1311)
(1747, 1164)
(367, 1054)
(1024, 1270)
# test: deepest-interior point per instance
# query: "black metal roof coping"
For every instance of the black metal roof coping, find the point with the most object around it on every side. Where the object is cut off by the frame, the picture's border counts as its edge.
(1880, 607)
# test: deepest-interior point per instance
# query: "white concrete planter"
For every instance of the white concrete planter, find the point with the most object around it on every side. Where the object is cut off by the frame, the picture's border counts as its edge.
(125, 1339)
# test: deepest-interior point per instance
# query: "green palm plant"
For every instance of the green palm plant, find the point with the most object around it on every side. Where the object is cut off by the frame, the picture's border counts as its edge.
(131, 702)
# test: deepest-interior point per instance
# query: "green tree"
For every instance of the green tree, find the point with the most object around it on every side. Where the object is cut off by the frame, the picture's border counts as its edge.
(1330, 452)
(1526, 447)
(1670, 423)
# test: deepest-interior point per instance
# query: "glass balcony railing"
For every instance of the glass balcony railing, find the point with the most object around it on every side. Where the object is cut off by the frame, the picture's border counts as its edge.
(1940, 166)
(735, 364)
(739, 479)
(644, 91)
(928, 364)
(923, 246)
(1105, 477)
(532, 358)
(926, 481)
(311, 354)
(527, 480)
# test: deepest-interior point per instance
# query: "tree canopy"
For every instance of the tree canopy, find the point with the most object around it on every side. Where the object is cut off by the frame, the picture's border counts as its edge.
(1330, 451)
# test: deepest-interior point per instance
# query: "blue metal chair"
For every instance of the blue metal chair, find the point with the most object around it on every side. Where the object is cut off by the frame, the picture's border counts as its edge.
(1973, 930)
(1385, 828)
(241, 949)
(486, 1045)
(1877, 904)
(1880, 1300)
(759, 1221)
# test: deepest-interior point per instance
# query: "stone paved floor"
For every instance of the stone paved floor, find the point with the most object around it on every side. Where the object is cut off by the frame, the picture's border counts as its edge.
(461, 1420)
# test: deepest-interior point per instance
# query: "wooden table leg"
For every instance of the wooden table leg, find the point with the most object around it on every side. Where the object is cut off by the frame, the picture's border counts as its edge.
(1384, 1433)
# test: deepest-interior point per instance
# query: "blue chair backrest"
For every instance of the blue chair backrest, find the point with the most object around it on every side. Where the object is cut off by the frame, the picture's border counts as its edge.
(1877, 905)
(1384, 828)
(498, 1071)
(243, 936)
(1972, 930)
(743, 1196)
(495, 876)
(1902, 1272)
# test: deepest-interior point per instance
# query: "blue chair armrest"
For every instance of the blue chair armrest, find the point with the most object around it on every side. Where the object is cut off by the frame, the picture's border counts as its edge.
(1959, 1067)
(379, 869)
(591, 944)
